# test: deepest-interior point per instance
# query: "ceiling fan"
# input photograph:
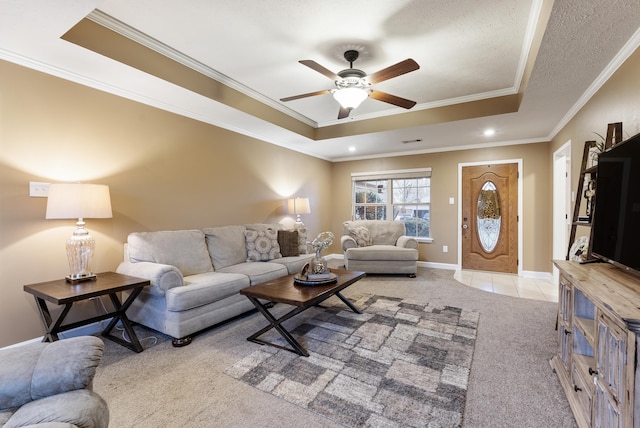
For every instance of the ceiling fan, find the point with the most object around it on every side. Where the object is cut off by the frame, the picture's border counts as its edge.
(353, 86)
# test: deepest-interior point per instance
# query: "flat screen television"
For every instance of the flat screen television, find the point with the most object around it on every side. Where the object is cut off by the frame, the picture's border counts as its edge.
(616, 219)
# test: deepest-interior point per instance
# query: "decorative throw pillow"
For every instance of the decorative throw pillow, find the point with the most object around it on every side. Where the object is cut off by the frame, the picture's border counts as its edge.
(262, 245)
(361, 235)
(288, 241)
(302, 239)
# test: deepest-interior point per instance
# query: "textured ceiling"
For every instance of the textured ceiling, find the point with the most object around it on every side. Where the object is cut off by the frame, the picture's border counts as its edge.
(518, 66)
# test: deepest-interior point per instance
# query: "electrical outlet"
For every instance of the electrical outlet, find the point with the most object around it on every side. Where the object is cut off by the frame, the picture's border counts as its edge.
(445, 249)
(452, 201)
(38, 189)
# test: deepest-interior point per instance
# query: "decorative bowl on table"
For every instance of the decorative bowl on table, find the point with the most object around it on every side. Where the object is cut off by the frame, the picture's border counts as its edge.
(305, 277)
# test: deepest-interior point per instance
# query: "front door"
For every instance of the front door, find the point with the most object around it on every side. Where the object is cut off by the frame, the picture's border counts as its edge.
(490, 217)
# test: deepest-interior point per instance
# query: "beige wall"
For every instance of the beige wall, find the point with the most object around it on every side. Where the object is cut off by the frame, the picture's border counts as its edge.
(444, 184)
(618, 100)
(164, 172)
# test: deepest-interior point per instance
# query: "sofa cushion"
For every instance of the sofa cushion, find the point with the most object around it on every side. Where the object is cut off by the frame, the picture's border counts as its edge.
(303, 247)
(294, 264)
(184, 249)
(382, 253)
(288, 241)
(262, 245)
(361, 235)
(226, 245)
(205, 288)
(382, 232)
(258, 272)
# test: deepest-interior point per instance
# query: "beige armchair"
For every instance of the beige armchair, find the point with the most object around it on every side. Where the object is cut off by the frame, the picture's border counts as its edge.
(379, 246)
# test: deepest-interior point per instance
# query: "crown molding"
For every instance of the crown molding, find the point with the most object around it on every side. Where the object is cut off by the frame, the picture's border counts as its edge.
(445, 149)
(629, 48)
(131, 33)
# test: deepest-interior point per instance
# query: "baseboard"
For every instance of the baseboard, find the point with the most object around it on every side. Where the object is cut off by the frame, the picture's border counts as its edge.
(547, 276)
(433, 265)
(94, 329)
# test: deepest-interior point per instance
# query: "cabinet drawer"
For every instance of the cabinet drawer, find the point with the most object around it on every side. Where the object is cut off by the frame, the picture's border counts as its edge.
(583, 390)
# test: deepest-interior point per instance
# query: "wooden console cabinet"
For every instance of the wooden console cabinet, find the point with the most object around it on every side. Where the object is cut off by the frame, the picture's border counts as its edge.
(597, 357)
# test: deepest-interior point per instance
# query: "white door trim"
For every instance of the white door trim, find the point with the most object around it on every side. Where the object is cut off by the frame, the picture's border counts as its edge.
(561, 204)
(520, 191)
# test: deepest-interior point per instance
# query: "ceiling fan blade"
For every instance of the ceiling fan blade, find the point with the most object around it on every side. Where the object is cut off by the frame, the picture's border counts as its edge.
(310, 94)
(320, 69)
(395, 70)
(392, 99)
(344, 112)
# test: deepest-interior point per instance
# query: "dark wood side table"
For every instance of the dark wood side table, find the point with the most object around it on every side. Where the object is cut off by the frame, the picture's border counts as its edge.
(66, 293)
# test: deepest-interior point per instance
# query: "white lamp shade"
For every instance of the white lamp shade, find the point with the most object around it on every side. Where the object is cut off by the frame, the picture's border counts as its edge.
(350, 98)
(299, 206)
(78, 200)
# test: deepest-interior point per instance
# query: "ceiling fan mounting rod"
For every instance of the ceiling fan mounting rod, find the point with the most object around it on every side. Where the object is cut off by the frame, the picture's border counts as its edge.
(351, 56)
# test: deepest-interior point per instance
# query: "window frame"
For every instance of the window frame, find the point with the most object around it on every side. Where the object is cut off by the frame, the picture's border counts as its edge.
(388, 205)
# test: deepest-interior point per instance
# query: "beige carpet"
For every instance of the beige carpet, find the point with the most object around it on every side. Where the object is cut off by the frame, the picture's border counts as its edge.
(510, 383)
(399, 363)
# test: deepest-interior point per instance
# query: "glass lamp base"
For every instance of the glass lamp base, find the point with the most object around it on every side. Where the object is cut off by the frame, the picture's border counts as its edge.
(80, 248)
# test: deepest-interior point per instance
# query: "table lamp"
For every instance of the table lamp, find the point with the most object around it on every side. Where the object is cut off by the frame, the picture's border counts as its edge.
(78, 200)
(299, 206)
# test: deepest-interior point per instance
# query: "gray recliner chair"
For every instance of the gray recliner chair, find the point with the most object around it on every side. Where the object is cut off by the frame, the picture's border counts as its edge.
(379, 246)
(50, 385)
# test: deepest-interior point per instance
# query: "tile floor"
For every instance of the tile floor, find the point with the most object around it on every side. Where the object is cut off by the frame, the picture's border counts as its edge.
(511, 285)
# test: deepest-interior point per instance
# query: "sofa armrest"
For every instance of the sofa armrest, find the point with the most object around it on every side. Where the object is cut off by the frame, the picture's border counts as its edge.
(37, 370)
(80, 408)
(347, 242)
(162, 277)
(407, 242)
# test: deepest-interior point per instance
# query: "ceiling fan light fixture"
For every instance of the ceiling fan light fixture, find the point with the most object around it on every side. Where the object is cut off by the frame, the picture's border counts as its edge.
(350, 98)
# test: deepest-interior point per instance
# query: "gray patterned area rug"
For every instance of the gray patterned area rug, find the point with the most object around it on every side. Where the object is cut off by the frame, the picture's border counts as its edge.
(399, 363)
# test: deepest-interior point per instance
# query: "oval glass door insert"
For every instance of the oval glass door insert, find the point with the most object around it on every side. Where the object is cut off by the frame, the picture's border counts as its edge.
(489, 217)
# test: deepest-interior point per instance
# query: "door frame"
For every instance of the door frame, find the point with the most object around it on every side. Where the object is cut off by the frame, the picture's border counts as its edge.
(561, 204)
(520, 188)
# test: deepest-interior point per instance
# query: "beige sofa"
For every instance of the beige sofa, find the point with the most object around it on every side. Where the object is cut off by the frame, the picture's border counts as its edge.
(196, 275)
(379, 246)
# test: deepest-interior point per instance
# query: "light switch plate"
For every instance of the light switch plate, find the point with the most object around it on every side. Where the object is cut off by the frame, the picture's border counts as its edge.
(38, 189)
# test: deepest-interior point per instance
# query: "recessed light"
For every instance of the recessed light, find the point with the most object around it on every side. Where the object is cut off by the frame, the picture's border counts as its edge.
(489, 132)
(352, 149)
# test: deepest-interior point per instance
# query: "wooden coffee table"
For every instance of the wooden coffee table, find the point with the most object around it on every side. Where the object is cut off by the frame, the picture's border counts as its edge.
(283, 290)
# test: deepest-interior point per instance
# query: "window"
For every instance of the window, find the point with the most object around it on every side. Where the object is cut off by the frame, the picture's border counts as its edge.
(395, 195)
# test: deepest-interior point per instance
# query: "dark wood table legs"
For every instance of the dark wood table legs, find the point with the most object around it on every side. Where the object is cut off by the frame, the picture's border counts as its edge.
(55, 326)
(276, 323)
(65, 294)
